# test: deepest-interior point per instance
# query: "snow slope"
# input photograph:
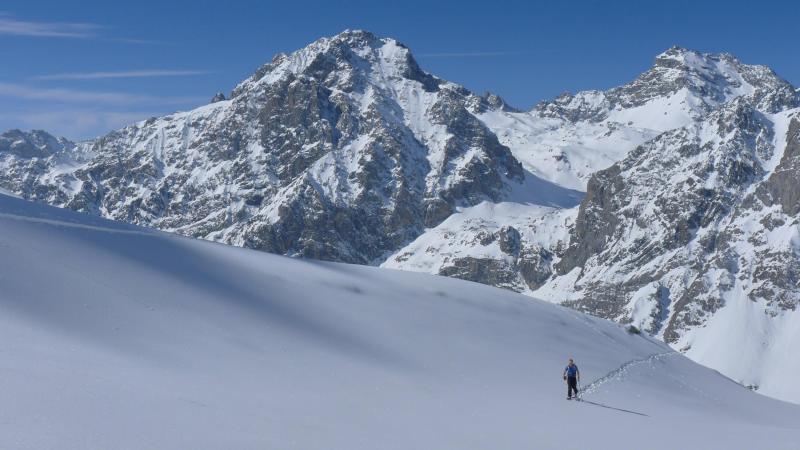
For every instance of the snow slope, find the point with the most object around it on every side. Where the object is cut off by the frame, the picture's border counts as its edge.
(119, 337)
(564, 152)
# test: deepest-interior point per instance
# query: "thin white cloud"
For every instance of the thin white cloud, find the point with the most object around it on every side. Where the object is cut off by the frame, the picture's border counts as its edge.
(139, 41)
(121, 74)
(12, 26)
(80, 96)
(16, 27)
(465, 54)
(75, 124)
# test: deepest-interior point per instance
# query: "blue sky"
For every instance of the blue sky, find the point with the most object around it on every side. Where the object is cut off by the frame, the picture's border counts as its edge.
(82, 68)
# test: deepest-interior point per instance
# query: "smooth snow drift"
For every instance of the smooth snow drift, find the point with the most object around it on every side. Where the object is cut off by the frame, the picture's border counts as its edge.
(113, 336)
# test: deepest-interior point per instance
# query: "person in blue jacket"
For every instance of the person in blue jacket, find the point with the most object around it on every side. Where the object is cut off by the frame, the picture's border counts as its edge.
(572, 375)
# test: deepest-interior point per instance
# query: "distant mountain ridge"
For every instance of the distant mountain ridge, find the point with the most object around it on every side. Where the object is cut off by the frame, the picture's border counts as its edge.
(670, 202)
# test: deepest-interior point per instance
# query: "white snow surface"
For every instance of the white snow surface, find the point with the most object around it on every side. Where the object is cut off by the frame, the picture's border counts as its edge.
(460, 236)
(564, 152)
(119, 337)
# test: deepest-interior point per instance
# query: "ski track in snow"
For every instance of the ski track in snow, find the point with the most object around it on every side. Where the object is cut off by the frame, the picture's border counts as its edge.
(614, 408)
(619, 373)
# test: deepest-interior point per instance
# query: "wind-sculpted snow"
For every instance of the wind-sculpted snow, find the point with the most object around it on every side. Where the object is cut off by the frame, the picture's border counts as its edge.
(119, 337)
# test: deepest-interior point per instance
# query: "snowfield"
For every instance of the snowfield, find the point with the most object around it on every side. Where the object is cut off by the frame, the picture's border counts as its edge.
(118, 337)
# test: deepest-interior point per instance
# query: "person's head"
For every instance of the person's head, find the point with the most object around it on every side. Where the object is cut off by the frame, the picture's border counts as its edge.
(571, 362)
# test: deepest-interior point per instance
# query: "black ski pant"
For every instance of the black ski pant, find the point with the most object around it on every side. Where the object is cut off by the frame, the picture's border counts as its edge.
(572, 386)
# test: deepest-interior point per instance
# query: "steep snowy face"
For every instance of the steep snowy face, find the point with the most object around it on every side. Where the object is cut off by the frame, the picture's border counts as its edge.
(343, 150)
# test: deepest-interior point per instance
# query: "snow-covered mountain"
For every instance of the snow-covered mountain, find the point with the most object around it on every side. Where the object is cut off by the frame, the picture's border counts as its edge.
(115, 336)
(572, 137)
(694, 235)
(344, 150)
(670, 202)
(34, 144)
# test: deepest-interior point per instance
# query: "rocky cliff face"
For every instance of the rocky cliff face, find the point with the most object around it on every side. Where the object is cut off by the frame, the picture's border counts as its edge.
(671, 202)
(670, 221)
(35, 164)
(695, 237)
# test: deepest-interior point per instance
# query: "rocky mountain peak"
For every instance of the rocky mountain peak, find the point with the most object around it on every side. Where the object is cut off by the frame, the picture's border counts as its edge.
(718, 78)
(680, 57)
(218, 97)
(346, 61)
(493, 101)
(688, 60)
(691, 81)
(32, 144)
(342, 150)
